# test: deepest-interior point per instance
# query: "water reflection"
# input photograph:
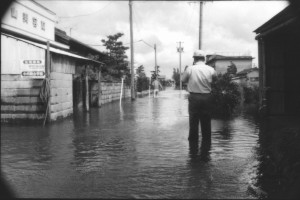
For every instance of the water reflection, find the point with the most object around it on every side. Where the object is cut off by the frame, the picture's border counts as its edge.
(138, 150)
(202, 154)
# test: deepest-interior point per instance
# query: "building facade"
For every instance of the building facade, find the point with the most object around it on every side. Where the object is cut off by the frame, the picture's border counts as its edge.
(221, 63)
(248, 77)
(38, 69)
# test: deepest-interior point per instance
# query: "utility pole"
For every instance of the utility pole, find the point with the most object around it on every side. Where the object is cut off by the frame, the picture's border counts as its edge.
(200, 24)
(131, 52)
(155, 59)
(180, 50)
(155, 64)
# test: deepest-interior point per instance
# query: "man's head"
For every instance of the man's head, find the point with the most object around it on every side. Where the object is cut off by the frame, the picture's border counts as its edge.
(199, 55)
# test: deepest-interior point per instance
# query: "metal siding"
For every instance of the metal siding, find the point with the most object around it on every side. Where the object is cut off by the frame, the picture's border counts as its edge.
(13, 51)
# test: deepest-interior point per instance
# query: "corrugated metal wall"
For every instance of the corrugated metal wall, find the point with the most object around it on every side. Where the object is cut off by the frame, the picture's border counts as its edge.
(13, 51)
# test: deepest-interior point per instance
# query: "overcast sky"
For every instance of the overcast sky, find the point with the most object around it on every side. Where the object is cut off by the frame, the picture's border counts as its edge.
(227, 27)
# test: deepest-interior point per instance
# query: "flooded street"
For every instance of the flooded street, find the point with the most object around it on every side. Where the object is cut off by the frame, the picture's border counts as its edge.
(138, 150)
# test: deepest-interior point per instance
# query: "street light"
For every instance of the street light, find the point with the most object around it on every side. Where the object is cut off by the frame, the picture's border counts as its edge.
(154, 54)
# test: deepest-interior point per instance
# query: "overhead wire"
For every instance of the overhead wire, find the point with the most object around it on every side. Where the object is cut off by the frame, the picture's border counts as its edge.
(191, 17)
(66, 17)
(135, 19)
(84, 15)
(184, 18)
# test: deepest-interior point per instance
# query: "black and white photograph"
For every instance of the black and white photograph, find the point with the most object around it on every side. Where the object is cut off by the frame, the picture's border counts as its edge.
(161, 99)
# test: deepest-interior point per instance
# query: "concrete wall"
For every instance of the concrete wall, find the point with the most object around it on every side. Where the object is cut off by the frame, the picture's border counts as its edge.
(145, 93)
(110, 92)
(20, 99)
(61, 97)
(61, 84)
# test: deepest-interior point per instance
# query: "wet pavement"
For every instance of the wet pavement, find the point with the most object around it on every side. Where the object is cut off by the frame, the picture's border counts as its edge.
(138, 150)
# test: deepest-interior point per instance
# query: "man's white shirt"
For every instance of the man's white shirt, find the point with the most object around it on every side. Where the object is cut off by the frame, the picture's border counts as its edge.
(199, 77)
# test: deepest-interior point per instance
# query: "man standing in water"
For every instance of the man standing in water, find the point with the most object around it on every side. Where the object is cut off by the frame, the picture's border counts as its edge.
(156, 85)
(199, 78)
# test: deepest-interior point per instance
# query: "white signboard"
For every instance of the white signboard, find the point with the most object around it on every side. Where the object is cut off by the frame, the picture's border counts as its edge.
(34, 69)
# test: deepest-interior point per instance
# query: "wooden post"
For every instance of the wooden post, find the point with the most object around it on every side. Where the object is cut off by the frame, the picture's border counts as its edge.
(263, 53)
(87, 106)
(200, 24)
(131, 52)
(260, 71)
(121, 92)
(47, 76)
(99, 87)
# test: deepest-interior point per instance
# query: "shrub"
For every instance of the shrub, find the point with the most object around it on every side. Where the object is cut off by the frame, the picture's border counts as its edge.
(142, 83)
(251, 94)
(226, 95)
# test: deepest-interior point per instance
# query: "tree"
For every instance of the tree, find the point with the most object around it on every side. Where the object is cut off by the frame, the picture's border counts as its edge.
(140, 71)
(231, 69)
(155, 73)
(116, 61)
(176, 77)
(225, 94)
(142, 81)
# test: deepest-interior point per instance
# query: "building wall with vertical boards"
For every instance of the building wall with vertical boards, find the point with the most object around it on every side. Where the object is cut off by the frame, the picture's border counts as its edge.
(61, 88)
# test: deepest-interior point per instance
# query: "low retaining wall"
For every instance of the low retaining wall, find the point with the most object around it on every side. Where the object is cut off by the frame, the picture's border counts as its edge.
(144, 93)
(110, 92)
(20, 99)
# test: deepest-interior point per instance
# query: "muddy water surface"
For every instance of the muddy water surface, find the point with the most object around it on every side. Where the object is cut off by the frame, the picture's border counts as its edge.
(138, 150)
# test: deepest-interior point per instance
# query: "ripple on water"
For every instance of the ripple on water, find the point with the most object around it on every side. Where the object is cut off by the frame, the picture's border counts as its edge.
(137, 151)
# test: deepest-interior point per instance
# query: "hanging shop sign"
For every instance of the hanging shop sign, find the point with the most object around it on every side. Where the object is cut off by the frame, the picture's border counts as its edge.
(34, 69)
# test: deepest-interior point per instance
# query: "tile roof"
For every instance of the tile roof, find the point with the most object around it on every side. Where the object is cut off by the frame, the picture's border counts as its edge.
(246, 71)
(220, 57)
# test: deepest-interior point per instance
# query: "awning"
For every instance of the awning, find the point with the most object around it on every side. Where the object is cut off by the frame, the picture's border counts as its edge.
(58, 51)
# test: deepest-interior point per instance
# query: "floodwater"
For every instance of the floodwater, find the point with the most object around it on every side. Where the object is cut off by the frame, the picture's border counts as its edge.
(138, 150)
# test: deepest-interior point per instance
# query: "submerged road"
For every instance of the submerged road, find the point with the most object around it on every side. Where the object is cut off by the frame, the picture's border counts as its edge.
(138, 150)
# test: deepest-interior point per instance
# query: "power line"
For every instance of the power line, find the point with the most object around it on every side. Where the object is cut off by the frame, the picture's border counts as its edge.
(65, 17)
(136, 13)
(104, 45)
(136, 21)
(190, 19)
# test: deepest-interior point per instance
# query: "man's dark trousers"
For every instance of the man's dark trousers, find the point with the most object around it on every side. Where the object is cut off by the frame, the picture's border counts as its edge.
(200, 105)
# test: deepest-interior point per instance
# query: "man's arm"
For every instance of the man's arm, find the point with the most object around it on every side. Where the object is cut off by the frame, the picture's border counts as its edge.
(185, 75)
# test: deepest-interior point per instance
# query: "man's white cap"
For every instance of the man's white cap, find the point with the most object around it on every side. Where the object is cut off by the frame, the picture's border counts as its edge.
(199, 53)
